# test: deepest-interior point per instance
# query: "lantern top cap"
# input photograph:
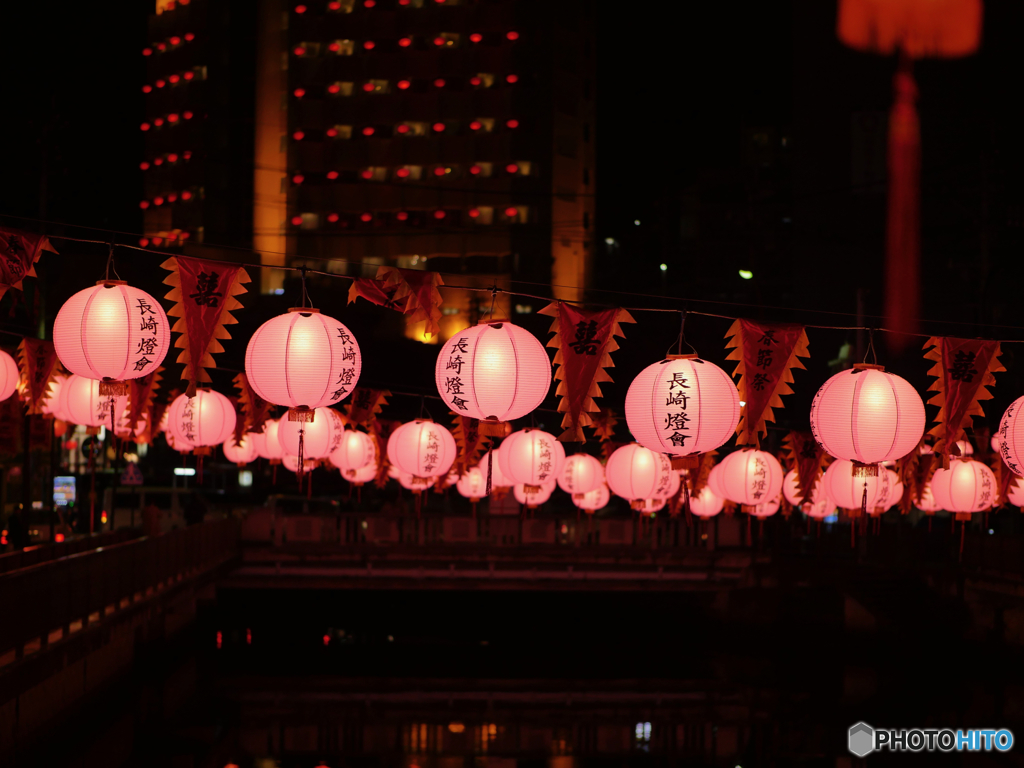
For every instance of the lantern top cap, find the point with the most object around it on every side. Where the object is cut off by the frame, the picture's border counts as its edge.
(868, 367)
(305, 310)
(111, 283)
(692, 356)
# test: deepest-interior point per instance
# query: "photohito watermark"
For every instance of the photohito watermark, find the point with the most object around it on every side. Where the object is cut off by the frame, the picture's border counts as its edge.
(863, 740)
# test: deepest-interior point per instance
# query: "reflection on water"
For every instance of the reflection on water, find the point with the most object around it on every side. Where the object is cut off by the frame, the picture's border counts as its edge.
(540, 680)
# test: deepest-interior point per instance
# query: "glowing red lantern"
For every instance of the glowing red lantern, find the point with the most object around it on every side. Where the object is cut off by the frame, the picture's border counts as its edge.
(491, 463)
(591, 501)
(267, 444)
(714, 480)
(360, 476)
(1015, 494)
(765, 508)
(750, 477)
(111, 332)
(82, 403)
(867, 415)
(473, 484)
(1011, 437)
(422, 448)
(532, 457)
(201, 422)
(581, 474)
(636, 473)
(850, 490)
(682, 405)
(926, 503)
(9, 375)
(316, 438)
(512, 35)
(967, 486)
(493, 372)
(355, 451)
(241, 453)
(51, 401)
(706, 503)
(291, 463)
(303, 360)
(532, 496)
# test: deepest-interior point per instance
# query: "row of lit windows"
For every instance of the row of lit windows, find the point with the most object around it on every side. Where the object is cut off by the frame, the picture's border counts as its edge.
(406, 129)
(168, 157)
(418, 172)
(479, 215)
(172, 119)
(170, 197)
(165, 238)
(346, 47)
(171, 43)
(347, 6)
(175, 78)
(348, 88)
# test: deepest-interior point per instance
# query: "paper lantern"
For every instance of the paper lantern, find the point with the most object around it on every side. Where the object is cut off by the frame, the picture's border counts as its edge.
(895, 491)
(355, 451)
(422, 448)
(111, 332)
(581, 474)
(636, 473)
(303, 360)
(362, 475)
(9, 375)
(241, 453)
(1011, 437)
(592, 501)
(682, 405)
(532, 457)
(51, 401)
(791, 488)
(491, 461)
(315, 439)
(765, 508)
(868, 416)
(291, 463)
(413, 483)
(1015, 494)
(819, 510)
(750, 477)
(967, 486)
(493, 372)
(532, 496)
(675, 483)
(649, 507)
(202, 421)
(714, 481)
(82, 403)
(473, 484)
(268, 446)
(927, 502)
(849, 490)
(706, 503)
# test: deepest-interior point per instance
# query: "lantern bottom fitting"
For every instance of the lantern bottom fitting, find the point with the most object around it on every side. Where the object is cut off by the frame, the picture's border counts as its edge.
(494, 428)
(531, 488)
(963, 517)
(577, 497)
(302, 413)
(92, 430)
(865, 470)
(202, 450)
(113, 388)
(692, 461)
(637, 504)
(274, 462)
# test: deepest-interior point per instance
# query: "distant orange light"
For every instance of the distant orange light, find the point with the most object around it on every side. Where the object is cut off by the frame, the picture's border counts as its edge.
(58, 537)
(332, 175)
(187, 154)
(403, 84)
(161, 47)
(439, 214)
(296, 220)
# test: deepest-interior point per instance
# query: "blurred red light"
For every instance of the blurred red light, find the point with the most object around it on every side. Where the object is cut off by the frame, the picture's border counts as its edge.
(369, 45)
(174, 78)
(512, 79)
(59, 537)
(298, 135)
(187, 154)
(158, 201)
(512, 168)
(296, 220)
(184, 235)
(405, 42)
(298, 178)
(172, 158)
(220, 639)
(175, 40)
(299, 50)
(172, 118)
(144, 127)
(367, 174)
(327, 639)
(369, 3)
(403, 128)
(161, 47)
(439, 83)
(366, 217)
(147, 51)
(147, 88)
(144, 204)
(475, 169)
(403, 2)
(332, 175)
(300, 9)
(333, 88)
(334, 47)
(368, 87)
(334, 6)
(158, 122)
(438, 41)
(160, 83)
(476, 125)
(402, 173)
(331, 133)
(473, 213)
(475, 80)
(187, 115)
(512, 35)
(512, 123)
(333, 218)
(144, 165)
(367, 131)
(403, 84)
(157, 240)
(438, 127)
(158, 161)
(172, 197)
(189, 37)
(189, 75)
(439, 214)
(401, 215)
(186, 195)
(300, 92)
(476, 37)
(511, 212)
(439, 171)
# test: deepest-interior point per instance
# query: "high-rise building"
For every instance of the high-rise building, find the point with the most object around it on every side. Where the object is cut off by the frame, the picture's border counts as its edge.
(450, 135)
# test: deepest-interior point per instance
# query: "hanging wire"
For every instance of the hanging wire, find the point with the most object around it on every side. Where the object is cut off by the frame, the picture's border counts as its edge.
(110, 263)
(494, 297)
(871, 348)
(305, 295)
(682, 336)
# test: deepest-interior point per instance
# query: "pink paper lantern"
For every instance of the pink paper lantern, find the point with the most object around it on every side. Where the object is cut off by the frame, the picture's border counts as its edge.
(202, 421)
(362, 475)
(750, 477)
(1015, 494)
(592, 501)
(291, 463)
(473, 484)
(715, 481)
(580, 474)
(636, 473)
(895, 492)
(82, 403)
(303, 360)
(493, 372)
(791, 488)
(111, 332)
(319, 437)
(531, 456)
(849, 490)
(412, 482)
(532, 496)
(422, 448)
(355, 451)
(649, 507)
(51, 401)
(9, 375)
(867, 415)
(765, 508)
(706, 503)
(819, 510)
(927, 502)
(268, 446)
(1011, 437)
(241, 453)
(491, 461)
(967, 486)
(682, 406)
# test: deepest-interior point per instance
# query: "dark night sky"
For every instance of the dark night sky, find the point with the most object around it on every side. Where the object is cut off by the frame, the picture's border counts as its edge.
(681, 89)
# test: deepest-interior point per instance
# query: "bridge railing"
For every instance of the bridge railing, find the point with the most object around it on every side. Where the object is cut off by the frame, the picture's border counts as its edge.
(50, 600)
(42, 553)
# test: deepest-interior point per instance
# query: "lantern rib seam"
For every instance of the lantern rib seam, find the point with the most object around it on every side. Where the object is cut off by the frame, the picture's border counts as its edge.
(330, 371)
(128, 342)
(515, 360)
(854, 436)
(476, 397)
(896, 426)
(287, 356)
(83, 336)
(700, 402)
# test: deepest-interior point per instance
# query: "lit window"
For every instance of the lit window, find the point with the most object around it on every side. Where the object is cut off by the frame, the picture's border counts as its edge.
(516, 213)
(482, 170)
(340, 89)
(342, 47)
(447, 40)
(485, 215)
(482, 80)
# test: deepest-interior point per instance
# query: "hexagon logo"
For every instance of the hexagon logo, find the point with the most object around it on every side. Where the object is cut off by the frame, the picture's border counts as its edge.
(861, 739)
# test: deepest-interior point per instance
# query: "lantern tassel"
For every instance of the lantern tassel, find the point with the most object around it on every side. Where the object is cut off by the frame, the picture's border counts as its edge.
(302, 461)
(112, 388)
(490, 463)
